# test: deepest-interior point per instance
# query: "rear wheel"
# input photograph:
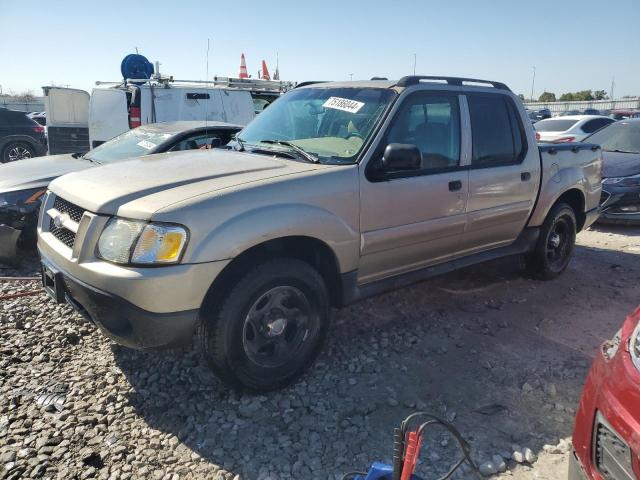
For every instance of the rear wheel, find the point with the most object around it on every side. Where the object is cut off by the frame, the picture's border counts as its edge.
(270, 326)
(17, 151)
(555, 245)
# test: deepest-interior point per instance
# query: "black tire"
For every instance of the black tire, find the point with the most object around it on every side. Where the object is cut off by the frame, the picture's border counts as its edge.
(15, 151)
(257, 346)
(555, 245)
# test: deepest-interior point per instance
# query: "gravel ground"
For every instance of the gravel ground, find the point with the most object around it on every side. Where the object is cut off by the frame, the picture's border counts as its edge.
(501, 356)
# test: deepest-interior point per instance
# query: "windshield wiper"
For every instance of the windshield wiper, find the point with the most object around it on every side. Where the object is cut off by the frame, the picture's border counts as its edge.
(620, 151)
(306, 155)
(240, 142)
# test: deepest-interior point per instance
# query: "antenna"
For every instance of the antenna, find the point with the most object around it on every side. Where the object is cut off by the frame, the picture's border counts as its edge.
(415, 59)
(206, 105)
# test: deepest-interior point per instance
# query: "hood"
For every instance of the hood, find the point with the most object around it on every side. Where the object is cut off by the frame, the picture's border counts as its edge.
(139, 187)
(39, 171)
(616, 164)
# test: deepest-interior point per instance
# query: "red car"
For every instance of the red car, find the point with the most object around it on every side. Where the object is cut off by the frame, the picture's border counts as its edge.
(606, 439)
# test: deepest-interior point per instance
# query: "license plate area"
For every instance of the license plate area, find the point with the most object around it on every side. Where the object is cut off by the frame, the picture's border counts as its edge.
(53, 283)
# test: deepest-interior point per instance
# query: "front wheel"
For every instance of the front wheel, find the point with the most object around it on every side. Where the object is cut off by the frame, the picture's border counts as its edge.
(269, 327)
(554, 247)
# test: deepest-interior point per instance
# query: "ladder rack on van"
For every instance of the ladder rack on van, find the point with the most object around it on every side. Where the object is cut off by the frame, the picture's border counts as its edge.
(235, 83)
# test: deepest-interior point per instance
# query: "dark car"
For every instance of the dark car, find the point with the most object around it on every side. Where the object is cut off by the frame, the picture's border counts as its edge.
(23, 183)
(620, 143)
(537, 115)
(20, 136)
(591, 111)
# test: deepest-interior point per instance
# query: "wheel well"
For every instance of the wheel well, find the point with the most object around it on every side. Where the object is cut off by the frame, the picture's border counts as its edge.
(575, 199)
(311, 250)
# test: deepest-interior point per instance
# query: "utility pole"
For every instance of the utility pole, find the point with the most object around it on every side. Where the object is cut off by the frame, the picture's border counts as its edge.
(613, 84)
(533, 82)
(414, 63)
(351, 77)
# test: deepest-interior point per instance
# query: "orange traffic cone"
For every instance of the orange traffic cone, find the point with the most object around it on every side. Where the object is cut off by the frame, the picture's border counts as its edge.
(243, 68)
(265, 71)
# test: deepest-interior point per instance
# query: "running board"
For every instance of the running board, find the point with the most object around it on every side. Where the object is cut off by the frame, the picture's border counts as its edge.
(352, 292)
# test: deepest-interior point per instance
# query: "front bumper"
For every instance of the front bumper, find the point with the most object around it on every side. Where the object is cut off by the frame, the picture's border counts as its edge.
(119, 319)
(576, 472)
(610, 399)
(620, 206)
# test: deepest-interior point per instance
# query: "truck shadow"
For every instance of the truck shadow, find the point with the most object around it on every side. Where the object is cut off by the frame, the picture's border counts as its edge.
(501, 356)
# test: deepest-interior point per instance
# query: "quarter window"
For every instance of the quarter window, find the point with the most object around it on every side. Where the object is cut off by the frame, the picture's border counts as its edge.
(497, 133)
(596, 124)
(432, 123)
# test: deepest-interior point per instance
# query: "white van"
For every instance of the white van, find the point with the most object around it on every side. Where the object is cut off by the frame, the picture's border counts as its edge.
(115, 107)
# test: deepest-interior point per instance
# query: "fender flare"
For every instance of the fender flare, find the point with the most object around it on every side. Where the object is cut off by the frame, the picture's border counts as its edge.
(254, 227)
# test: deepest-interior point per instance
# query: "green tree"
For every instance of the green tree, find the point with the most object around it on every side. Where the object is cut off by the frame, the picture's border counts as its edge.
(547, 97)
(567, 97)
(600, 95)
(521, 97)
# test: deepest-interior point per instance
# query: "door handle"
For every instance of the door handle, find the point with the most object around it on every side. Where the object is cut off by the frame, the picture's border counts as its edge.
(525, 176)
(455, 185)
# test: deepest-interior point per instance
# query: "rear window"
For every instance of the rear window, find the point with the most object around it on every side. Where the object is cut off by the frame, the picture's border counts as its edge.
(554, 125)
(496, 129)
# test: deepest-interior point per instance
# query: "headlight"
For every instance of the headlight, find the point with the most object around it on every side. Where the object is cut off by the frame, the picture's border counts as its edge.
(135, 242)
(634, 346)
(633, 181)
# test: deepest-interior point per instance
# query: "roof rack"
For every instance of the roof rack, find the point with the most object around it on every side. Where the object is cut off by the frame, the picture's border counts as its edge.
(458, 81)
(236, 83)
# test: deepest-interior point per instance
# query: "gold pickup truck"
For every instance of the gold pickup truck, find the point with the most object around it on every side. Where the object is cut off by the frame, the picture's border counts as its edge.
(336, 192)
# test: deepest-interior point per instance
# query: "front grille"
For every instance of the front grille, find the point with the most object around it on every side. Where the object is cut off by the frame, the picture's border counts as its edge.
(629, 199)
(65, 236)
(75, 213)
(612, 455)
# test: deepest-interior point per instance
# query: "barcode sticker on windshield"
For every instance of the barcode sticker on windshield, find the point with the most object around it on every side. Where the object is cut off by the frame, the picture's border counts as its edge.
(147, 144)
(343, 104)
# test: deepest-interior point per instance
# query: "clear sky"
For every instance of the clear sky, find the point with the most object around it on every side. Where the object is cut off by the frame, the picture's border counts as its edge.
(574, 44)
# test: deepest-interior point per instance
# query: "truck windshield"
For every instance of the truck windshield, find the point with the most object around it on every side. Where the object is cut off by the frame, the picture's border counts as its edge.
(133, 143)
(330, 124)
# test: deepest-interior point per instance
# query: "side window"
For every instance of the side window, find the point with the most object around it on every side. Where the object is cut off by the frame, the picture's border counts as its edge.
(432, 123)
(496, 129)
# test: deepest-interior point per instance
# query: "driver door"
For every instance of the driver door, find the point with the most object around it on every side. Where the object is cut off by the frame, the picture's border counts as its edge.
(415, 219)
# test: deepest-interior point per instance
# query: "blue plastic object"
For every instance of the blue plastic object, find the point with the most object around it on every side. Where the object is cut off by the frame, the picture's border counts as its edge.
(382, 471)
(136, 66)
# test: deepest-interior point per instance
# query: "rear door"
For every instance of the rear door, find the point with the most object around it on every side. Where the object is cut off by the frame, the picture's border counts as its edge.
(67, 120)
(504, 175)
(108, 115)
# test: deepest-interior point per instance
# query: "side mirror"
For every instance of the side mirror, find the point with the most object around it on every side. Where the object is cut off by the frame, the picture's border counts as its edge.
(401, 157)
